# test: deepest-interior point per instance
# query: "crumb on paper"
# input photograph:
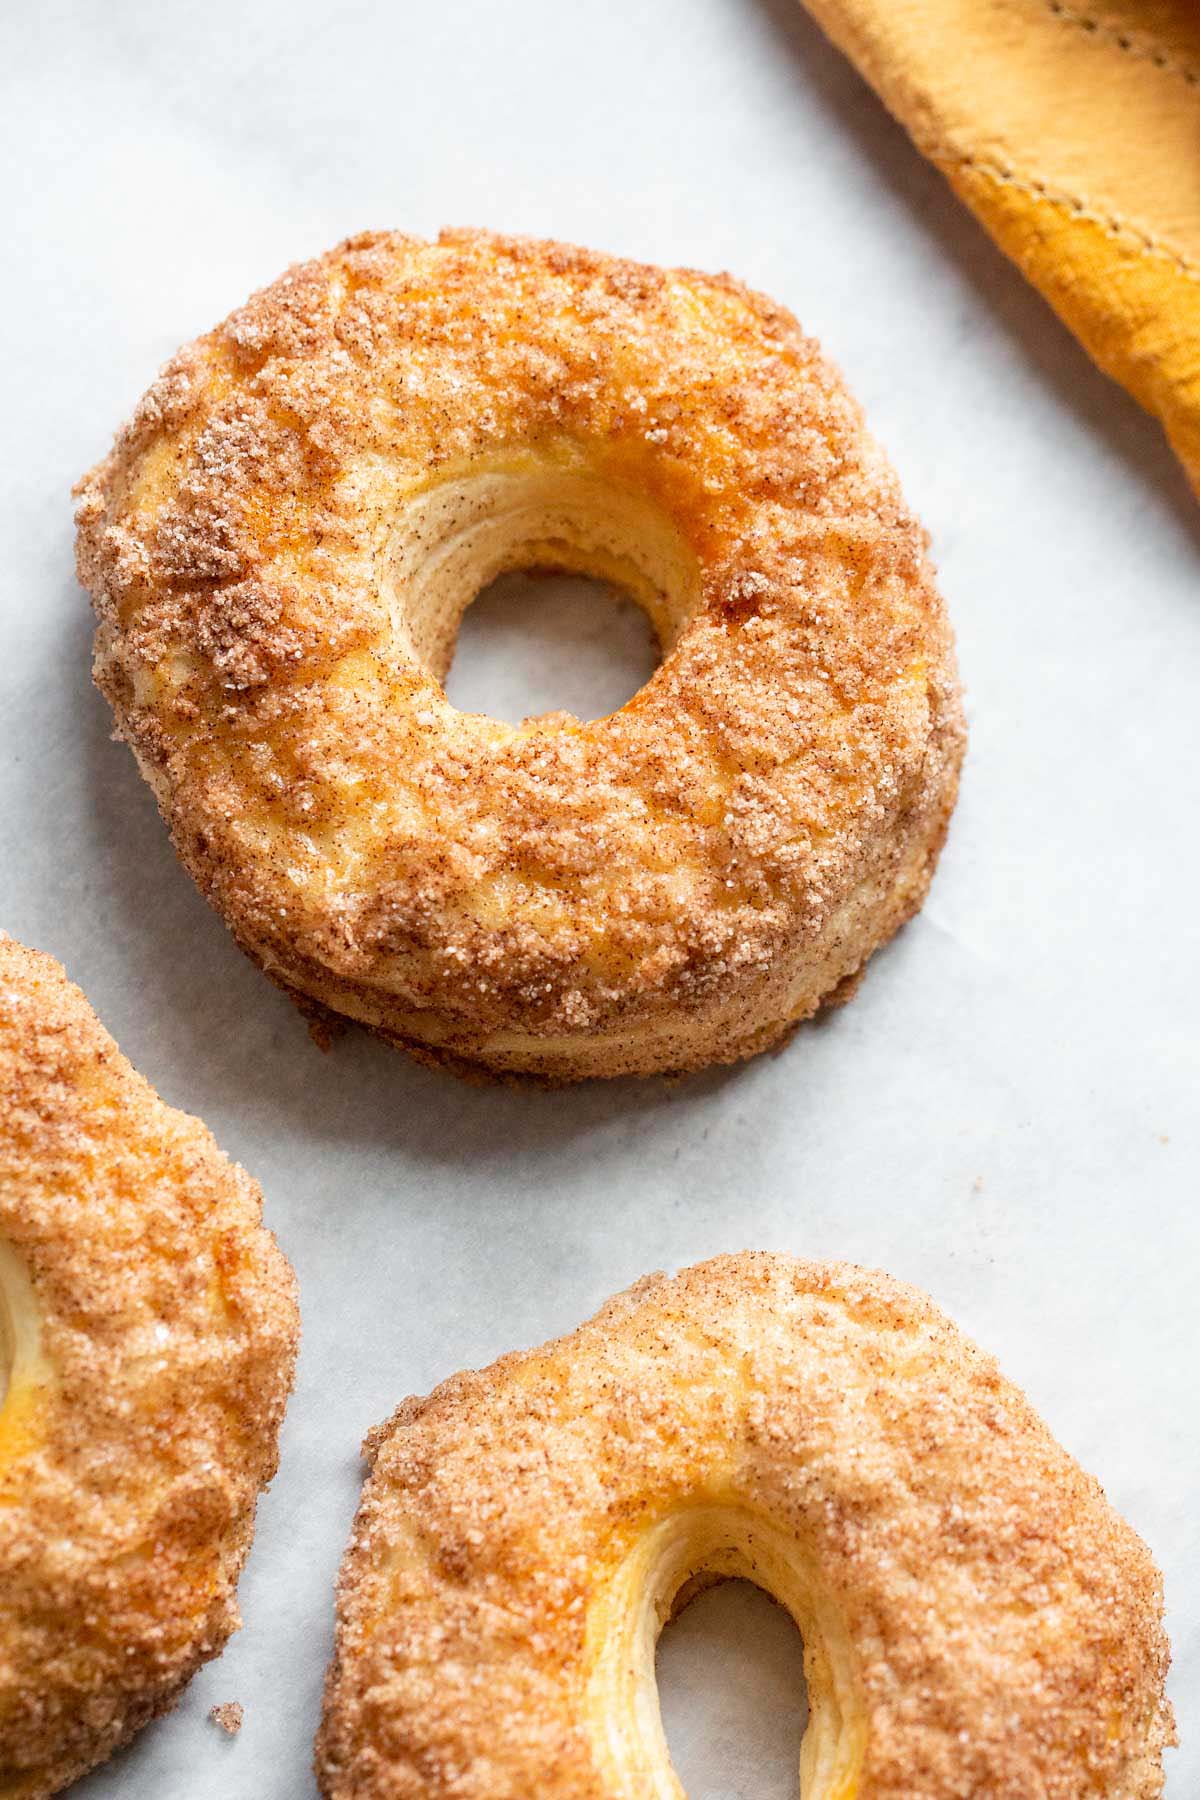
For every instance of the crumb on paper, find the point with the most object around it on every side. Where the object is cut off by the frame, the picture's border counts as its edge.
(977, 1185)
(324, 1028)
(229, 1716)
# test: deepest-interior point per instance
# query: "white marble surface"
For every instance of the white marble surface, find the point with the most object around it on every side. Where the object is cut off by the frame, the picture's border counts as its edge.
(1007, 1113)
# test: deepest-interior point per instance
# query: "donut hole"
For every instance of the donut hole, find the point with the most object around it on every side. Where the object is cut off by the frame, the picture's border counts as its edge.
(21, 1363)
(455, 540)
(9, 1303)
(7, 1348)
(731, 1688)
(548, 642)
(669, 1562)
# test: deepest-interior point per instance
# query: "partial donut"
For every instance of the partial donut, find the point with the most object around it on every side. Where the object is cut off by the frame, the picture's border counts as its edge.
(280, 548)
(148, 1332)
(977, 1621)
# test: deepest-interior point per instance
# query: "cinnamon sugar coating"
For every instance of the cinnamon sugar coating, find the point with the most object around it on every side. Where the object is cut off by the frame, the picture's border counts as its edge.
(977, 1619)
(280, 546)
(148, 1332)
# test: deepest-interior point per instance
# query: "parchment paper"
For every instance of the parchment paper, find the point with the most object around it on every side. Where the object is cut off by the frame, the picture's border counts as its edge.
(1007, 1112)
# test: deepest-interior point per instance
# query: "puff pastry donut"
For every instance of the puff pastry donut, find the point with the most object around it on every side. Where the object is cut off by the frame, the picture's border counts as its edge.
(976, 1618)
(147, 1336)
(280, 548)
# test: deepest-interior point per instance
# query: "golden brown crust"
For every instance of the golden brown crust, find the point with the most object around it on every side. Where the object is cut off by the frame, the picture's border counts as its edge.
(672, 885)
(140, 1417)
(1000, 1625)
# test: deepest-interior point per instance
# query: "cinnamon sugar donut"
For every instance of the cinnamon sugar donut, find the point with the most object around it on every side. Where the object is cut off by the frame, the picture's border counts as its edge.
(977, 1620)
(147, 1337)
(280, 548)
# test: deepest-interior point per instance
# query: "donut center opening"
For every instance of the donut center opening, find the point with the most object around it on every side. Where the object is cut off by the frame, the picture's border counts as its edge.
(732, 1693)
(542, 642)
(7, 1350)
(545, 511)
(671, 1561)
(22, 1366)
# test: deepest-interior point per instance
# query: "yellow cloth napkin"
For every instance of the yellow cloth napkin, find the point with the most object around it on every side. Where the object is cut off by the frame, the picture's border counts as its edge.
(1073, 132)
